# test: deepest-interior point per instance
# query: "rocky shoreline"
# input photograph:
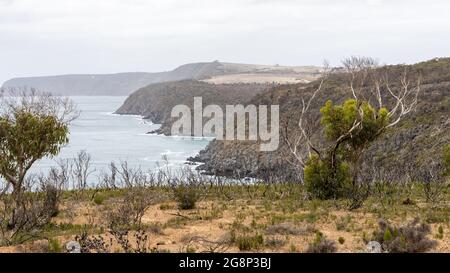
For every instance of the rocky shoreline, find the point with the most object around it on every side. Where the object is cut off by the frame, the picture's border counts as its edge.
(415, 141)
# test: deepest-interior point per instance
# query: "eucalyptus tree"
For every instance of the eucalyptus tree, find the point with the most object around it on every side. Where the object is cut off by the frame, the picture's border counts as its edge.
(378, 99)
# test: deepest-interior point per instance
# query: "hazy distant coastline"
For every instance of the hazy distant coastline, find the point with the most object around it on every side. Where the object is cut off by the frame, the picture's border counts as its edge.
(122, 84)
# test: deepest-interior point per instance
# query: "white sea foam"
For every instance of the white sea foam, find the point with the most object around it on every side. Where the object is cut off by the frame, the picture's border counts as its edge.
(111, 137)
(179, 137)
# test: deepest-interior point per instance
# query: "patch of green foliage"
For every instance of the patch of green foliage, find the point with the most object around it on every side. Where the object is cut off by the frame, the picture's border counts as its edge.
(323, 182)
(26, 137)
(54, 246)
(410, 238)
(440, 234)
(99, 199)
(339, 119)
(351, 127)
(247, 243)
(447, 159)
(186, 196)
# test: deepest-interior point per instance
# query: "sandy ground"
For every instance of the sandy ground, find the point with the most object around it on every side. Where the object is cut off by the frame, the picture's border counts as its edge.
(199, 229)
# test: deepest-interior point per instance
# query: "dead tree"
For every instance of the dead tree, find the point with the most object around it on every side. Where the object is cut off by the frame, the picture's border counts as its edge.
(299, 140)
(380, 87)
(82, 169)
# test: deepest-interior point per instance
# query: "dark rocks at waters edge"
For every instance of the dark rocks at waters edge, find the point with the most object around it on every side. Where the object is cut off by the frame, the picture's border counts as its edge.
(410, 146)
(190, 163)
(194, 159)
(417, 140)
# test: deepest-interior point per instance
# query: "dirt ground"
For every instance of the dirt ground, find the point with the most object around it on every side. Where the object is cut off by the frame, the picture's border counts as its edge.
(210, 225)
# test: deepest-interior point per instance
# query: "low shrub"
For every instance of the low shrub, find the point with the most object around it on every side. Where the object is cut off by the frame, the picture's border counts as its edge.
(323, 182)
(437, 215)
(411, 238)
(54, 246)
(249, 242)
(275, 242)
(128, 211)
(186, 196)
(99, 199)
(321, 245)
(165, 207)
(440, 234)
(447, 159)
(155, 229)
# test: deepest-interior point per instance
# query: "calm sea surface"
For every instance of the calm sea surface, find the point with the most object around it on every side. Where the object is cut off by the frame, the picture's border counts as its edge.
(108, 137)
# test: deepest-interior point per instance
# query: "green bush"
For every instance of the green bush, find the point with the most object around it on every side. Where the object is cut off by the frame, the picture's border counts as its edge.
(447, 159)
(341, 240)
(186, 196)
(351, 127)
(387, 236)
(440, 234)
(323, 182)
(54, 246)
(190, 249)
(246, 243)
(99, 199)
(338, 119)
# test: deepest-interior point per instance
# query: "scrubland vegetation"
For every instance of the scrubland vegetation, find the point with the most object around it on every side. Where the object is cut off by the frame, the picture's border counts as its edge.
(257, 218)
(333, 201)
(135, 213)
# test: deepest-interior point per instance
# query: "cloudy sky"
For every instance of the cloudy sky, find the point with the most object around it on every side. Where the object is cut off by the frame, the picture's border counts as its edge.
(49, 37)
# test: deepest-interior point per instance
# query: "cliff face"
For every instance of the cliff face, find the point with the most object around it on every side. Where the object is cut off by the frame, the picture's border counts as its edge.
(415, 142)
(123, 84)
(155, 101)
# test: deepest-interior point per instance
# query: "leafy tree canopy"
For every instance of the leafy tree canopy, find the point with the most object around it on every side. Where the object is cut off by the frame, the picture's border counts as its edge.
(26, 137)
(339, 120)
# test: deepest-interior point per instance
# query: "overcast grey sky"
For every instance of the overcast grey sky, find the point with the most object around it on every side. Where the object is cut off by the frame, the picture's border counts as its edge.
(49, 37)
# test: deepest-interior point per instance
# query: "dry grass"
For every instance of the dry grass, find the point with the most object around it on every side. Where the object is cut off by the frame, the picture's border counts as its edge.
(220, 225)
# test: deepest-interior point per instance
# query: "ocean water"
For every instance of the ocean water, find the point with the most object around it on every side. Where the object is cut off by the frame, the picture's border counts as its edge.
(108, 137)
